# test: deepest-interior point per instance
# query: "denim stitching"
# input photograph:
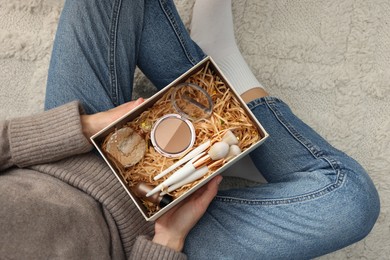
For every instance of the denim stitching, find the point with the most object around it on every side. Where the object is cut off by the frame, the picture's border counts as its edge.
(176, 29)
(314, 150)
(261, 101)
(317, 153)
(301, 198)
(112, 54)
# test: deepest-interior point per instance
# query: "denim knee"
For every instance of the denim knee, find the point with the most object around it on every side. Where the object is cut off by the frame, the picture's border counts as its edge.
(363, 203)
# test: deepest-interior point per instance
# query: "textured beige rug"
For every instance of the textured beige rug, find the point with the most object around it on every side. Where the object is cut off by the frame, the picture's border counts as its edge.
(330, 60)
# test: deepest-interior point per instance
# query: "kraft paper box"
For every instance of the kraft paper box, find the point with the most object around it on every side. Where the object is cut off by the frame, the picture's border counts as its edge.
(158, 162)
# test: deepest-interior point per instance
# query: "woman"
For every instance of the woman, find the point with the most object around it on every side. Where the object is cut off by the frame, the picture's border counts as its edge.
(316, 201)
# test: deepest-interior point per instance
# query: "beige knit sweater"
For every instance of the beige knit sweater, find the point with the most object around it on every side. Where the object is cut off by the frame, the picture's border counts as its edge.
(58, 200)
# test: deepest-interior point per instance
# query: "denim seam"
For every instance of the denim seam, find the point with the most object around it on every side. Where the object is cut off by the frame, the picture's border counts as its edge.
(112, 54)
(271, 102)
(311, 148)
(176, 29)
(314, 150)
(317, 153)
(261, 101)
(301, 198)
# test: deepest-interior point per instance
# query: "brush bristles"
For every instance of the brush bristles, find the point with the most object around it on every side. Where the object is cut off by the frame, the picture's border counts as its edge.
(218, 151)
(230, 138)
(234, 150)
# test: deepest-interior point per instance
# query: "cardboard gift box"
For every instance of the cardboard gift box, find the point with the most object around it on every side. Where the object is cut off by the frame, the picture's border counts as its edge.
(198, 116)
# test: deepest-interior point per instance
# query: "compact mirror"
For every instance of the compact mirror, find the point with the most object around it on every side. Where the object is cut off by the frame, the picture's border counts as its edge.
(191, 101)
(172, 135)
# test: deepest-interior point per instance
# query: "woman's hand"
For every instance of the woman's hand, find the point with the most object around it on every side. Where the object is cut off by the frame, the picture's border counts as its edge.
(172, 228)
(92, 124)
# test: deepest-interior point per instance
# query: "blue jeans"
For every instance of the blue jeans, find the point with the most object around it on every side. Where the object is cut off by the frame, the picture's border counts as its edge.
(317, 198)
(99, 43)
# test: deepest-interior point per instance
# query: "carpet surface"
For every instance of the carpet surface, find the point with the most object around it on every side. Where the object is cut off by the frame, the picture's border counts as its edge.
(329, 60)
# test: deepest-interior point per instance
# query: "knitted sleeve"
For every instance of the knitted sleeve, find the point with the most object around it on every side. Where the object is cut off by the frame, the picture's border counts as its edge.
(45, 137)
(144, 248)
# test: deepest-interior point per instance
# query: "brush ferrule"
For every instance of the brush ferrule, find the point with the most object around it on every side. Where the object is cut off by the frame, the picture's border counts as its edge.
(203, 161)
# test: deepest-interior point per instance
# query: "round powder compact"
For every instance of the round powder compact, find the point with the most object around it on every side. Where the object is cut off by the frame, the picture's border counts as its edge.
(172, 135)
(126, 146)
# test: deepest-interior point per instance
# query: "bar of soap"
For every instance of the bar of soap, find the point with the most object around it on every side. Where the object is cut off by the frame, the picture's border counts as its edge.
(126, 146)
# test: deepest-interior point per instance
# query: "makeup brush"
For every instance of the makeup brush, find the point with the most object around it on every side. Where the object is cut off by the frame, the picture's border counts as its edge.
(142, 188)
(185, 159)
(234, 150)
(229, 138)
(217, 151)
(192, 177)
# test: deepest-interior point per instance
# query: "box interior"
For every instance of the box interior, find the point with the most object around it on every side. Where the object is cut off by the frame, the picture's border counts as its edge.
(98, 138)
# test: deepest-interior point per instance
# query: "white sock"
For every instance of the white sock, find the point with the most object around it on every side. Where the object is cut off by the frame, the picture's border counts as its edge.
(212, 29)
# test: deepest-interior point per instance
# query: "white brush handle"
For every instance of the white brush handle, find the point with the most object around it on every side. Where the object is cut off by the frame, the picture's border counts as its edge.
(185, 159)
(180, 174)
(193, 177)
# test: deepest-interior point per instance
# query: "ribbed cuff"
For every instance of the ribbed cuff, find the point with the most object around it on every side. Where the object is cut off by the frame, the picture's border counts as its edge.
(144, 248)
(238, 72)
(48, 136)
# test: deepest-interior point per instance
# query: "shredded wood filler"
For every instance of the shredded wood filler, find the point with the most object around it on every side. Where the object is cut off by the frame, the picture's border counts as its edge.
(227, 115)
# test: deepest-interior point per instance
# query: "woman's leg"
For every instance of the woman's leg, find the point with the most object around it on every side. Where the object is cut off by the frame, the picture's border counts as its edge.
(166, 50)
(94, 53)
(317, 199)
(99, 43)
